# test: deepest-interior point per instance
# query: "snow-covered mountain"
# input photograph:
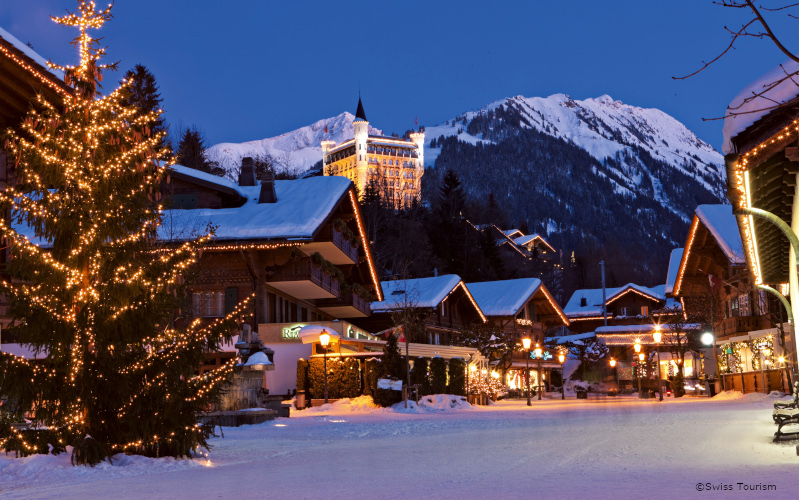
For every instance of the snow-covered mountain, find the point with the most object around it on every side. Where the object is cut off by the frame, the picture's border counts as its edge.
(605, 128)
(589, 174)
(297, 150)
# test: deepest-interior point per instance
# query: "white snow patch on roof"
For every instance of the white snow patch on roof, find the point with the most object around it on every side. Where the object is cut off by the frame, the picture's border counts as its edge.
(420, 292)
(593, 296)
(22, 47)
(674, 266)
(721, 223)
(503, 298)
(302, 206)
(746, 114)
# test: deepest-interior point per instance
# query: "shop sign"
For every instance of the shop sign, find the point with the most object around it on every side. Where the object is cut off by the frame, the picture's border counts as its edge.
(388, 384)
(291, 332)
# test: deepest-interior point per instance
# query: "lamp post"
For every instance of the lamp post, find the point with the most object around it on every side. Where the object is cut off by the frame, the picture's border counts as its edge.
(324, 339)
(658, 336)
(539, 357)
(637, 349)
(616, 372)
(526, 342)
(561, 359)
(640, 360)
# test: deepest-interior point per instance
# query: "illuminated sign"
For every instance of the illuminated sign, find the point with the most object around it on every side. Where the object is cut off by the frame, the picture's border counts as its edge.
(291, 332)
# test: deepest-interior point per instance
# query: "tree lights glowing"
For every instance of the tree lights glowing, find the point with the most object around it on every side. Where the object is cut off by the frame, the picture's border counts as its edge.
(86, 288)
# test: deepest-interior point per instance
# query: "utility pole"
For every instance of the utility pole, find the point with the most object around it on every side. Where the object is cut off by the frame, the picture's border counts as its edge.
(604, 298)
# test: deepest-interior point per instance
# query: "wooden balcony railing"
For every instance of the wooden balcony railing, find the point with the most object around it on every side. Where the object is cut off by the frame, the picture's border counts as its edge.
(742, 324)
(345, 245)
(306, 270)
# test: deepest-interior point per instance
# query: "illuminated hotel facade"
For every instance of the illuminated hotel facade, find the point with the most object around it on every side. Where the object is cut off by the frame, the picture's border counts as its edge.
(397, 165)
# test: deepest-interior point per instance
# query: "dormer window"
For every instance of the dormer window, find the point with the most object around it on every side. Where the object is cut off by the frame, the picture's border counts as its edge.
(398, 292)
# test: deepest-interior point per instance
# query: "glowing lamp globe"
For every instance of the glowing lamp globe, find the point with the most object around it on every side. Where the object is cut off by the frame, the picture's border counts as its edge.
(641, 357)
(781, 360)
(324, 339)
(612, 362)
(526, 343)
(637, 346)
(561, 357)
(657, 336)
(537, 351)
(707, 338)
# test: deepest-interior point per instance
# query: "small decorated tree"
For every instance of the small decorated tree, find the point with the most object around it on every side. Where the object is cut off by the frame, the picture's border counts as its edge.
(438, 375)
(89, 290)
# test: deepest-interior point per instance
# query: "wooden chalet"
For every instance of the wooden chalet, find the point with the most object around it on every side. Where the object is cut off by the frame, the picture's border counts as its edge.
(297, 246)
(714, 285)
(527, 309)
(448, 304)
(523, 255)
(630, 304)
(762, 163)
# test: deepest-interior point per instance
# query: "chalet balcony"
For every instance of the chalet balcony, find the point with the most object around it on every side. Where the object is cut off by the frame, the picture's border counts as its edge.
(304, 280)
(349, 305)
(338, 250)
(741, 324)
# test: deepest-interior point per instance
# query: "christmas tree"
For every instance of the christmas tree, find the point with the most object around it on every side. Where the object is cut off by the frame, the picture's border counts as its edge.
(90, 290)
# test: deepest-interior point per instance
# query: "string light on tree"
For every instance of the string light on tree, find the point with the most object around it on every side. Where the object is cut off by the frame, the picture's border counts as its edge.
(91, 291)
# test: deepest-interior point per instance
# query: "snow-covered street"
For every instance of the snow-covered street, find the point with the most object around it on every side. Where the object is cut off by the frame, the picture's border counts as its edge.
(605, 448)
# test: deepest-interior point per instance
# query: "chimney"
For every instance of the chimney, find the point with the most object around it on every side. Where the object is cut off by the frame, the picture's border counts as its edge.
(268, 188)
(583, 302)
(247, 173)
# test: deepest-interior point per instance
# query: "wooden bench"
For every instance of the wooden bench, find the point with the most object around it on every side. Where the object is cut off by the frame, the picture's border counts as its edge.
(786, 414)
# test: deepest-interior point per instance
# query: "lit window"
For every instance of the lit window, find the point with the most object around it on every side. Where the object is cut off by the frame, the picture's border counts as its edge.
(644, 310)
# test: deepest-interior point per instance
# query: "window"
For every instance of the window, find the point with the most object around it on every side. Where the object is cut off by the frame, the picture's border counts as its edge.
(644, 310)
(734, 308)
(743, 305)
(624, 311)
(208, 304)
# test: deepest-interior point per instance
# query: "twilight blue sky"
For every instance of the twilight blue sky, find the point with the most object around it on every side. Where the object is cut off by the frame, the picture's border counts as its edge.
(244, 70)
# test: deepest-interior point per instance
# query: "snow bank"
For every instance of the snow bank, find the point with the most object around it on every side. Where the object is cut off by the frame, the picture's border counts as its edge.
(437, 403)
(361, 404)
(752, 397)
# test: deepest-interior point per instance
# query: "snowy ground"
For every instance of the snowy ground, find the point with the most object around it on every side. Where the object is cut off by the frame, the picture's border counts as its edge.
(602, 448)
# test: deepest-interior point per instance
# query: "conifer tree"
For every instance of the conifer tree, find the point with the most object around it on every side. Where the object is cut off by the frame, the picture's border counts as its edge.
(191, 153)
(142, 94)
(88, 290)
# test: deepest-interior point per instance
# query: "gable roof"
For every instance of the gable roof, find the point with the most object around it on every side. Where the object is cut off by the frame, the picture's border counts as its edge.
(421, 293)
(593, 296)
(503, 298)
(523, 240)
(510, 233)
(721, 223)
(302, 206)
(674, 267)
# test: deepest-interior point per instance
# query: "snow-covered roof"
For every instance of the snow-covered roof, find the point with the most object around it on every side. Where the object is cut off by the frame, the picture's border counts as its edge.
(420, 292)
(524, 240)
(642, 328)
(510, 232)
(302, 207)
(593, 296)
(721, 223)
(674, 267)
(571, 338)
(774, 94)
(503, 298)
(208, 178)
(22, 47)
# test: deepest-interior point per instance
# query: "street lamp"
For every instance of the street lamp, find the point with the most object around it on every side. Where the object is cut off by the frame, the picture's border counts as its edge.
(539, 356)
(324, 339)
(637, 345)
(616, 372)
(640, 360)
(658, 337)
(561, 359)
(526, 342)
